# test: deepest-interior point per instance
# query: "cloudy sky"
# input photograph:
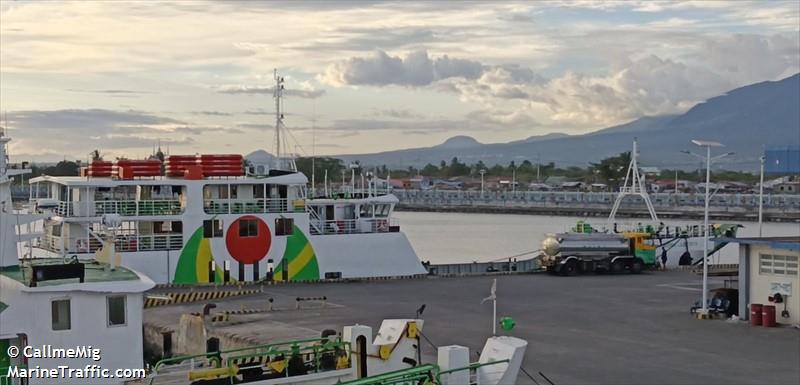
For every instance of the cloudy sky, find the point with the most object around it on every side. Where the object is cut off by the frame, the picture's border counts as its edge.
(367, 77)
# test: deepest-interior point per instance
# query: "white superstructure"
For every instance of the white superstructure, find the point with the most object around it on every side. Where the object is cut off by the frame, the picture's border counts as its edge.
(193, 231)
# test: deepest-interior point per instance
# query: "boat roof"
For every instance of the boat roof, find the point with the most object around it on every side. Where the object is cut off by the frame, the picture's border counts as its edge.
(288, 179)
(388, 198)
(791, 243)
(98, 277)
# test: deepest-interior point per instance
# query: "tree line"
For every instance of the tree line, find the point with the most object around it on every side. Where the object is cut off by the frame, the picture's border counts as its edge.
(610, 170)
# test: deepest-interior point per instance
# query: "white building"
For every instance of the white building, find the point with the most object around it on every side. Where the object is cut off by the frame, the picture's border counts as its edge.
(769, 266)
(103, 312)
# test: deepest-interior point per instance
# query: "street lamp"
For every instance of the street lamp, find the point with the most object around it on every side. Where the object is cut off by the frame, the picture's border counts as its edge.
(707, 145)
(514, 173)
(482, 171)
(761, 197)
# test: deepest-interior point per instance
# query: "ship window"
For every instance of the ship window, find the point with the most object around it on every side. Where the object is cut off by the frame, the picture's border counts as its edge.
(248, 228)
(382, 210)
(61, 314)
(258, 191)
(284, 226)
(212, 228)
(116, 310)
(349, 212)
(366, 211)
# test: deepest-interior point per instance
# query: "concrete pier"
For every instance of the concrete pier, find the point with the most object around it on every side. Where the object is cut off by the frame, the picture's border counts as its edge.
(625, 329)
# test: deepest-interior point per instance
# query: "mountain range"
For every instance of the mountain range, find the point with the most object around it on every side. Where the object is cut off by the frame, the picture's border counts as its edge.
(745, 120)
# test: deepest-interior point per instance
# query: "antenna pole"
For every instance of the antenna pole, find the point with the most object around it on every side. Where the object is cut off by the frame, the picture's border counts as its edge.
(278, 94)
(313, 150)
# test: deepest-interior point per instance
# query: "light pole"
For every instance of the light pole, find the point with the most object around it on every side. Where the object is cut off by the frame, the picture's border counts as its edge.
(514, 180)
(482, 172)
(707, 145)
(761, 198)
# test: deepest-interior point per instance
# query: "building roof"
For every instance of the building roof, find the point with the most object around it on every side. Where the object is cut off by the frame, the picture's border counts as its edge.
(783, 243)
(95, 272)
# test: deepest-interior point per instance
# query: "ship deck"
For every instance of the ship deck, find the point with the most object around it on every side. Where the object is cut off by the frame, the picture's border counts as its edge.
(587, 329)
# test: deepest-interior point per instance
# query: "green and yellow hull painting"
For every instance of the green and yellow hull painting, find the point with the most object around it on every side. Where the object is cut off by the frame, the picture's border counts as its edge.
(300, 258)
(194, 261)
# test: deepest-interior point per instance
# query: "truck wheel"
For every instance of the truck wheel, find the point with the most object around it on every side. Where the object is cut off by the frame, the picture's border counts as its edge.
(617, 266)
(637, 266)
(570, 268)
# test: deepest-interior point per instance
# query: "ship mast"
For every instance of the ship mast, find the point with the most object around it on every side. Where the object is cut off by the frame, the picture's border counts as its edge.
(637, 187)
(282, 160)
(278, 94)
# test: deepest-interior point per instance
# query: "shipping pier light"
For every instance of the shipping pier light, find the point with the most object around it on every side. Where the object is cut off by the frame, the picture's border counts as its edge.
(707, 144)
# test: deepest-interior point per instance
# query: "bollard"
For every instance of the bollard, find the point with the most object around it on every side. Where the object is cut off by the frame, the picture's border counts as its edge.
(207, 308)
(269, 308)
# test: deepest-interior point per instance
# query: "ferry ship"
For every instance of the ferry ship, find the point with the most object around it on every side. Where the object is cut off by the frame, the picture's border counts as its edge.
(204, 218)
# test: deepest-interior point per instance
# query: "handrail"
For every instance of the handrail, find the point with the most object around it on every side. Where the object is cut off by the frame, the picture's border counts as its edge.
(123, 243)
(121, 207)
(354, 226)
(180, 359)
(474, 365)
(245, 206)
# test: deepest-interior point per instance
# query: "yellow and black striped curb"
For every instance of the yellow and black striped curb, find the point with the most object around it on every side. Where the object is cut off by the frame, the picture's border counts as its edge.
(242, 285)
(238, 312)
(195, 296)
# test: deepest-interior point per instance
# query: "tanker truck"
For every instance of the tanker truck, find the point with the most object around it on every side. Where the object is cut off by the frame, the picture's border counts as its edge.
(575, 252)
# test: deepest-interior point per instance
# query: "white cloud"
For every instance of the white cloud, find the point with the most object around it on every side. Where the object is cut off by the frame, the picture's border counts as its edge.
(415, 69)
(571, 66)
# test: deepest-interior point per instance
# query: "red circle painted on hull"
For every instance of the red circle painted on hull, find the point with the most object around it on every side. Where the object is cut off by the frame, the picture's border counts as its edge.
(248, 248)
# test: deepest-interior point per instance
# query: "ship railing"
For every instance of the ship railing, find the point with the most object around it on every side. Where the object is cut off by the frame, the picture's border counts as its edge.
(122, 243)
(355, 226)
(245, 206)
(646, 227)
(283, 359)
(153, 242)
(121, 207)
